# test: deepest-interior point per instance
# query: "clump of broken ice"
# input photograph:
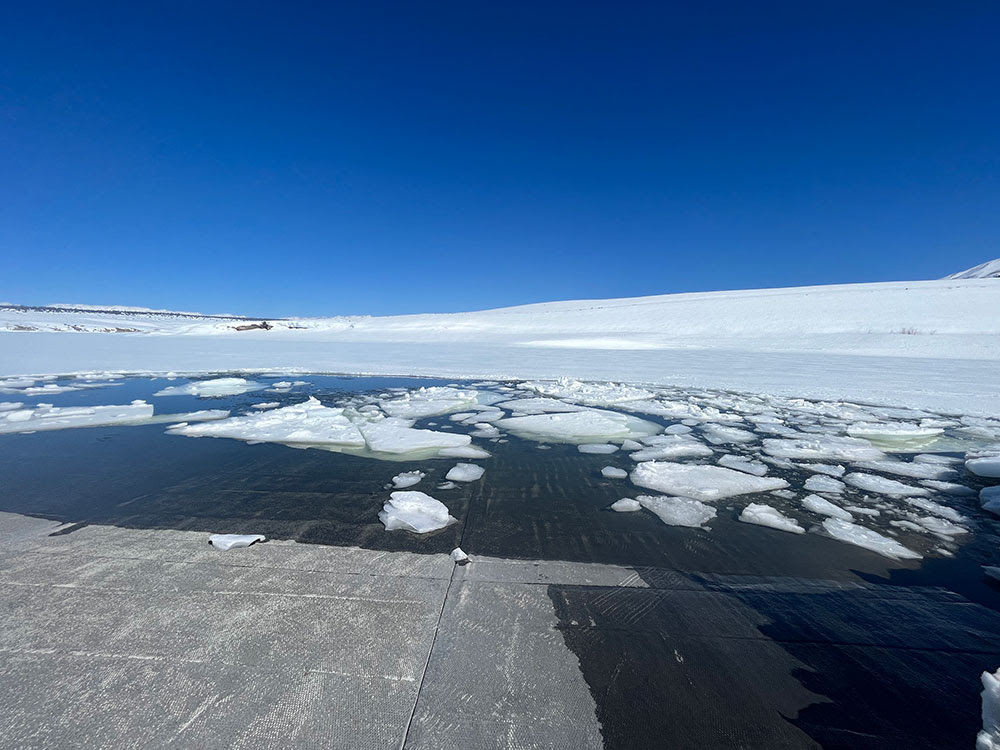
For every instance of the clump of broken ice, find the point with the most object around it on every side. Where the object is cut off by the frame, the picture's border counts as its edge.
(216, 387)
(414, 511)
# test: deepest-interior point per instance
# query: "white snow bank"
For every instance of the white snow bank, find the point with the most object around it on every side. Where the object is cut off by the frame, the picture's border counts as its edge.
(705, 483)
(407, 479)
(678, 511)
(465, 473)
(414, 511)
(860, 536)
(234, 541)
(765, 515)
(989, 736)
(48, 417)
(212, 388)
(824, 507)
(584, 426)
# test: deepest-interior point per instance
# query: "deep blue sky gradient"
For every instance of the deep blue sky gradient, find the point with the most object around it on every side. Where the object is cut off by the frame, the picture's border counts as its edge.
(326, 158)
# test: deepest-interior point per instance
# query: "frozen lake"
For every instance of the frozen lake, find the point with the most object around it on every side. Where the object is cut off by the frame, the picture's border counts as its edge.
(865, 622)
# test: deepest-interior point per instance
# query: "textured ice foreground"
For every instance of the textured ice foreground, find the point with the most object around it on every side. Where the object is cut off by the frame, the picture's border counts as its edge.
(414, 511)
(214, 387)
(676, 511)
(705, 483)
(583, 426)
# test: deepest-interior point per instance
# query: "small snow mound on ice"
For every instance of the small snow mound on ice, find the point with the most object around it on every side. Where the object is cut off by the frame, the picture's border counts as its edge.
(465, 473)
(407, 479)
(613, 472)
(705, 483)
(845, 531)
(414, 511)
(234, 541)
(824, 507)
(626, 505)
(212, 388)
(678, 511)
(765, 515)
(836, 448)
(989, 736)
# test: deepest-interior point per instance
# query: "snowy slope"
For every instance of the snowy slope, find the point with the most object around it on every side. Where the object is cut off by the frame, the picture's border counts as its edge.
(988, 270)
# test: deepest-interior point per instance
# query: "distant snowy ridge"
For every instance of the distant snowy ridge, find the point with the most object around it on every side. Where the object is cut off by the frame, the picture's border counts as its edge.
(988, 270)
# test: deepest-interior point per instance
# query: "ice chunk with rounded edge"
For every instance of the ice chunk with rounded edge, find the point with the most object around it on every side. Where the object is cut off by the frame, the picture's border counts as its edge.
(416, 512)
(584, 426)
(886, 432)
(700, 482)
(407, 479)
(613, 472)
(824, 507)
(626, 505)
(989, 499)
(852, 533)
(395, 435)
(234, 541)
(883, 486)
(212, 388)
(744, 464)
(465, 473)
(836, 448)
(662, 447)
(678, 511)
(823, 483)
(600, 448)
(464, 451)
(766, 515)
(984, 466)
(949, 488)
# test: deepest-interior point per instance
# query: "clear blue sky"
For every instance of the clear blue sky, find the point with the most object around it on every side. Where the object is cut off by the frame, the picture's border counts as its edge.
(325, 158)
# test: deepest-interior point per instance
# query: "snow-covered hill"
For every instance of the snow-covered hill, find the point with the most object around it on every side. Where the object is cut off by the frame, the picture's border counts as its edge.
(988, 270)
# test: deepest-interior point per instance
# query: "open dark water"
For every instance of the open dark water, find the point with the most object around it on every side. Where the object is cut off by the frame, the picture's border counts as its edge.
(897, 666)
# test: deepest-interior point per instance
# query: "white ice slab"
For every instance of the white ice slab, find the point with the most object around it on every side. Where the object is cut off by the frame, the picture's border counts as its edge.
(852, 533)
(744, 464)
(626, 505)
(407, 479)
(766, 515)
(599, 448)
(823, 483)
(48, 417)
(678, 511)
(835, 448)
(464, 473)
(705, 483)
(824, 507)
(613, 472)
(410, 510)
(212, 388)
(584, 426)
(430, 402)
(883, 486)
(234, 541)
(985, 466)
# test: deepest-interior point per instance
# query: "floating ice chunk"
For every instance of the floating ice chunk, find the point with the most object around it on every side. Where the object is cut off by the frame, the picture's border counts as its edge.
(485, 430)
(212, 388)
(845, 531)
(719, 434)
(984, 466)
(266, 405)
(48, 417)
(538, 406)
(234, 541)
(463, 415)
(464, 451)
(660, 447)
(915, 469)
(935, 458)
(306, 424)
(989, 499)
(861, 510)
(744, 464)
(414, 511)
(626, 505)
(584, 426)
(10, 405)
(590, 394)
(447, 486)
(613, 472)
(940, 526)
(465, 473)
(837, 448)
(430, 402)
(823, 483)
(395, 436)
(459, 556)
(765, 515)
(831, 470)
(631, 445)
(949, 488)
(824, 507)
(989, 737)
(678, 511)
(936, 508)
(882, 485)
(678, 429)
(784, 494)
(602, 448)
(891, 432)
(705, 483)
(407, 479)
(202, 415)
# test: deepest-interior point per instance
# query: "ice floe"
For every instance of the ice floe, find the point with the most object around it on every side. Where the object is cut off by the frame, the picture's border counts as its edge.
(459, 556)
(915, 469)
(882, 485)
(429, 402)
(765, 515)
(860, 536)
(824, 507)
(837, 448)
(626, 505)
(744, 464)
(410, 510)
(989, 736)
(984, 466)
(584, 426)
(700, 482)
(234, 541)
(590, 394)
(48, 417)
(212, 388)
(465, 473)
(823, 483)
(720, 434)
(613, 472)
(678, 511)
(891, 432)
(407, 479)
(989, 499)
(599, 448)
(661, 447)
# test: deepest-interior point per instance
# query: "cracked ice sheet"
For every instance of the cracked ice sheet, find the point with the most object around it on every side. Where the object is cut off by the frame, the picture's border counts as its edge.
(705, 483)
